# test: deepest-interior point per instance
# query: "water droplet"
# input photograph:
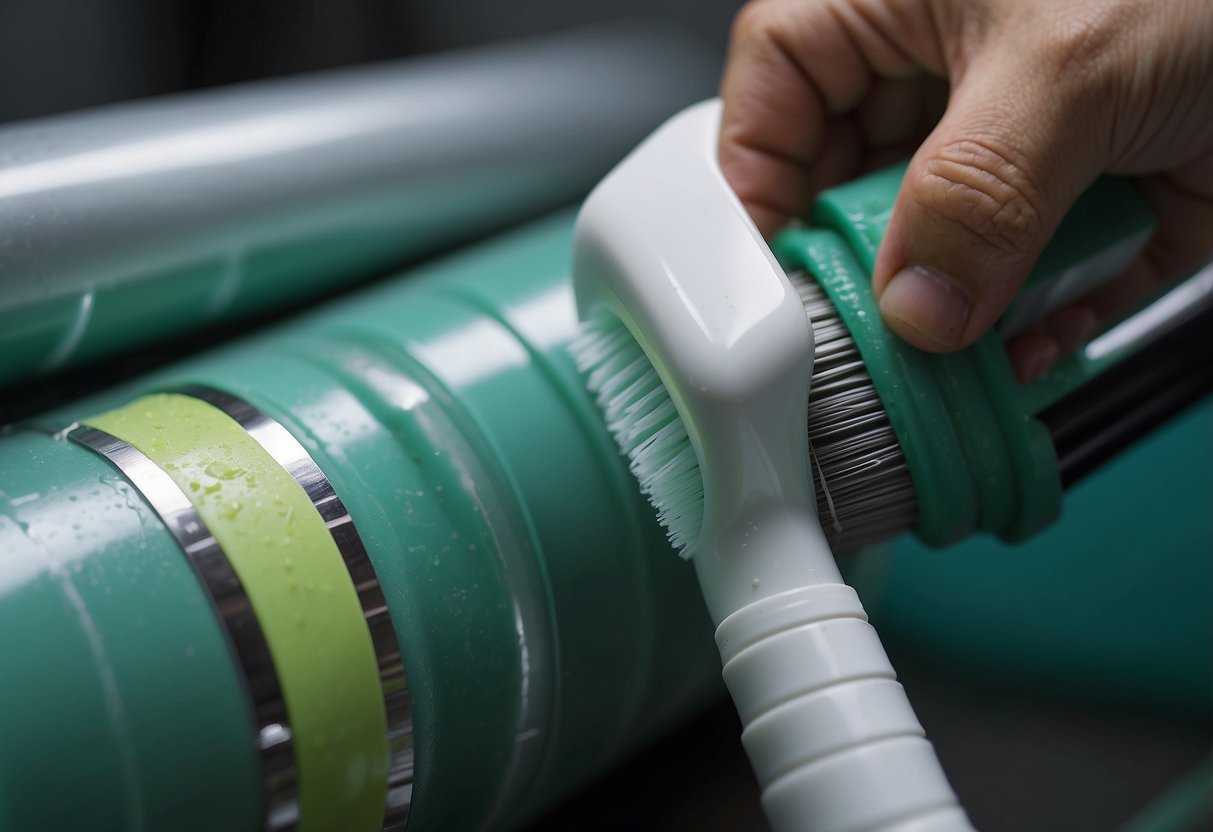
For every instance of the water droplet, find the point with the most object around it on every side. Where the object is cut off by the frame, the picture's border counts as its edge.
(222, 471)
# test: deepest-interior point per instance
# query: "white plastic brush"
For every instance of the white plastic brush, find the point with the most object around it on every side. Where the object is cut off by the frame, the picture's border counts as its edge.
(701, 354)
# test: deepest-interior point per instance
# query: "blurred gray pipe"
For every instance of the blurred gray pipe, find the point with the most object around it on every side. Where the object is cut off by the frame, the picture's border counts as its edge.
(125, 224)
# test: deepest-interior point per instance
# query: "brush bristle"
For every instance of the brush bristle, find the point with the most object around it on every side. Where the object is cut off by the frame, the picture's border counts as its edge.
(641, 416)
(864, 490)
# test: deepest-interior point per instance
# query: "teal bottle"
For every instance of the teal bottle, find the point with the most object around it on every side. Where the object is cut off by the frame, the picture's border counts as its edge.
(546, 629)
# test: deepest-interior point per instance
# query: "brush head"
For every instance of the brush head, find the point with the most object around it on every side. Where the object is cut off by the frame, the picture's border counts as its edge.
(863, 485)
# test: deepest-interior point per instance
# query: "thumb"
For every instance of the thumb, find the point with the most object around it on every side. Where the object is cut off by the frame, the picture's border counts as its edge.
(980, 199)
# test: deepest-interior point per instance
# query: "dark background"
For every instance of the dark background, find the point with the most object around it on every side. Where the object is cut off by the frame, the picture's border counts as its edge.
(1016, 763)
(58, 55)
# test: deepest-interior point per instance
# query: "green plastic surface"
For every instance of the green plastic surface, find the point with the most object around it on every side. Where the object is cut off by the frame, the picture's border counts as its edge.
(1109, 214)
(978, 458)
(947, 504)
(119, 705)
(545, 625)
(1108, 607)
(299, 589)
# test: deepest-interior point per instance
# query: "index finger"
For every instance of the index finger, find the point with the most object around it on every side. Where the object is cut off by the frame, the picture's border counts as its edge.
(791, 65)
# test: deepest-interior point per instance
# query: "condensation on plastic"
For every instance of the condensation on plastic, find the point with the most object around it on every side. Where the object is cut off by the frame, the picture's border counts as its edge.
(126, 224)
(545, 625)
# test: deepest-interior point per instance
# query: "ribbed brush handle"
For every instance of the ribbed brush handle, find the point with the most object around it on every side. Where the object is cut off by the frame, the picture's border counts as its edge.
(828, 729)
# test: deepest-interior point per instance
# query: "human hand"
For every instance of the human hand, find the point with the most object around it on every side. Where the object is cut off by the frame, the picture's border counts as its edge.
(1022, 104)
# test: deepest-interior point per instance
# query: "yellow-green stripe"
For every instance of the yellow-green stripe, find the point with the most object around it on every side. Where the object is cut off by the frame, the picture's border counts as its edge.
(298, 587)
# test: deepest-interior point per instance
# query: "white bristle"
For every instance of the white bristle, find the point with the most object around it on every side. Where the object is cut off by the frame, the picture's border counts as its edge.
(641, 416)
(864, 489)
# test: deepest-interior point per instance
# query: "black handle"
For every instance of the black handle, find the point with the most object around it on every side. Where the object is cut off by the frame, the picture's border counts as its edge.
(1097, 420)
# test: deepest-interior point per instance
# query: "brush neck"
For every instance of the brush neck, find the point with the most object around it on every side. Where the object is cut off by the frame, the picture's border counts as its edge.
(764, 552)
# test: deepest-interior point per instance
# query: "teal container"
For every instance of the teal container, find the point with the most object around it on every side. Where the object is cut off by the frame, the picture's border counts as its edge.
(546, 627)
(119, 705)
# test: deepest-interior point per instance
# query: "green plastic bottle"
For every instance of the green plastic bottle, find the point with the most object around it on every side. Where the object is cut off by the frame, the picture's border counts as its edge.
(545, 627)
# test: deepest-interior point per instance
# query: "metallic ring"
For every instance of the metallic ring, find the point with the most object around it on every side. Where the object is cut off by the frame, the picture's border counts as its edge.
(295, 460)
(275, 742)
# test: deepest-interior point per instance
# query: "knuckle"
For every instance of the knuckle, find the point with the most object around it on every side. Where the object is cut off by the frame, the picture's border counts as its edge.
(972, 186)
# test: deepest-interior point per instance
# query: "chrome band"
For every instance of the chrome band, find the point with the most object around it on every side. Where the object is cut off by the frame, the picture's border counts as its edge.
(274, 739)
(295, 460)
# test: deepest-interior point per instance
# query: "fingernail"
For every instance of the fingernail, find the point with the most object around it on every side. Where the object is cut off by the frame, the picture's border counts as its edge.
(929, 302)
(1036, 363)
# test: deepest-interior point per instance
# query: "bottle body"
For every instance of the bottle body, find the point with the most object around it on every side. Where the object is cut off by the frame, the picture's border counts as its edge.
(544, 625)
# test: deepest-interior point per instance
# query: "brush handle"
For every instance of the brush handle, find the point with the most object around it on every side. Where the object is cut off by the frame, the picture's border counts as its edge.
(828, 729)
